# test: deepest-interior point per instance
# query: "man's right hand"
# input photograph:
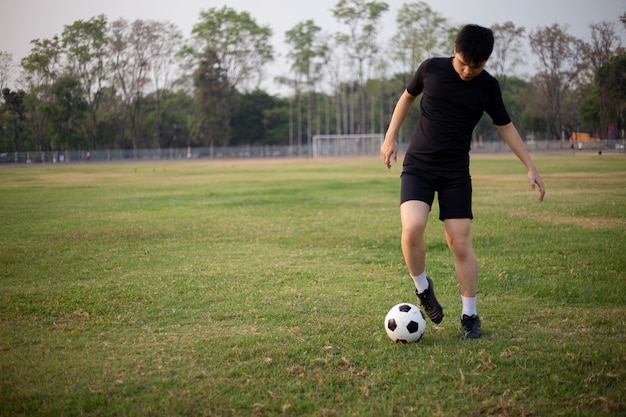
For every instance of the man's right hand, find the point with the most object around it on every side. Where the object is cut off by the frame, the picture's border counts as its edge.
(389, 151)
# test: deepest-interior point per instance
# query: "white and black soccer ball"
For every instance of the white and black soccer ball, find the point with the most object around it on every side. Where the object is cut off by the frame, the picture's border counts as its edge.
(405, 323)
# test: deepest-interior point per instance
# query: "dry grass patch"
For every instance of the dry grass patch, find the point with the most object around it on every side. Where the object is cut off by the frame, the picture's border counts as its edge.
(584, 222)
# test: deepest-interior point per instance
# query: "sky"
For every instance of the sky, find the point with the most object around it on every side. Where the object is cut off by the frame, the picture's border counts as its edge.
(24, 20)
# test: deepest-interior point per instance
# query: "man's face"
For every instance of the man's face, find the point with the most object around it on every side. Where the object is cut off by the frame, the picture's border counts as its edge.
(466, 70)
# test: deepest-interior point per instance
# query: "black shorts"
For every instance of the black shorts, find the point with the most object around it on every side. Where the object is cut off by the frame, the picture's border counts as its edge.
(454, 193)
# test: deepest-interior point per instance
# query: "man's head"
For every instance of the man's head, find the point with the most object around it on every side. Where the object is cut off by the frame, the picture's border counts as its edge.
(472, 48)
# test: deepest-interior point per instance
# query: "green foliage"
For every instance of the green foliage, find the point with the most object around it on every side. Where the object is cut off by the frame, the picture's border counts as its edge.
(215, 101)
(423, 34)
(241, 44)
(85, 44)
(362, 21)
(259, 288)
(508, 51)
(339, 83)
(588, 110)
(65, 110)
(559, 59)
(174, 123)
(12, 118)
(41, 65)
(613, 74)
(261, 119)
(308, 53)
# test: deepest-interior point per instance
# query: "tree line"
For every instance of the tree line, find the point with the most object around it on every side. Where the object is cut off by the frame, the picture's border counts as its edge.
(123, 84)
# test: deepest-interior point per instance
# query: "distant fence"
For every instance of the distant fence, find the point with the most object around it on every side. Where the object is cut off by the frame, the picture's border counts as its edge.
(121, 155)
(238, 152)
(601, 145)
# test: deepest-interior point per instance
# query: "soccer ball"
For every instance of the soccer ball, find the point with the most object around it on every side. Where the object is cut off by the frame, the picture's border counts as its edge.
(405, 323)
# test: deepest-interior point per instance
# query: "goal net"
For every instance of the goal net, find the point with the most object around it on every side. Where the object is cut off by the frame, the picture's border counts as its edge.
(347, 145)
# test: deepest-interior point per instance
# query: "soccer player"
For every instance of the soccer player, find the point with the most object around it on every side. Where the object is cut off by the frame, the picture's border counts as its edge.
(455, 92)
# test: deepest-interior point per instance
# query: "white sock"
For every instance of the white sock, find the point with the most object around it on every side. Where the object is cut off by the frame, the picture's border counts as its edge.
(421, 283)
(469, 306)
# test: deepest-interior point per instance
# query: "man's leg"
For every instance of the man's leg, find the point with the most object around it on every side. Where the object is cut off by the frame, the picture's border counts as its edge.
(459, 238)
(414, 216)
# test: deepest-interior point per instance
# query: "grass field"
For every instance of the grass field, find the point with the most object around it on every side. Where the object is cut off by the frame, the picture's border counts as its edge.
(259, 288)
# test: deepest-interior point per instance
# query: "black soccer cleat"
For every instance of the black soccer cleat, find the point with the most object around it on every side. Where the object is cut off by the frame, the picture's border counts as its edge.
(433, 309)
(470, 327)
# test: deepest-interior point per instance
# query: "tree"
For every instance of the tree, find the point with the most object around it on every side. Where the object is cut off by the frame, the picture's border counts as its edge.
(332, 71)
(14, 117)
(308, 55)
(66, 111)
(111, 121)
(214, 102)
(7, 67)
(559, 64)
(240, 44)
(276, 122)
(41, 70)
(258, 119)
(422, 33)
(604, 45)
(507, 48)
(614, 74)
(361, 47)
(533, 118)
(85, 44)
(176, 110)
(588, 110)
(130, 66)
(42, 66)
(163, 46)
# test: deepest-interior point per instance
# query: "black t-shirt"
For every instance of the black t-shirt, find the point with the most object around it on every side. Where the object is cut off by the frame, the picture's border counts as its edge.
(449, 110)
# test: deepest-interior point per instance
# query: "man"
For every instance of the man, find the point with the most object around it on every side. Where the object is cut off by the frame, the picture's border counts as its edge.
(456, 91)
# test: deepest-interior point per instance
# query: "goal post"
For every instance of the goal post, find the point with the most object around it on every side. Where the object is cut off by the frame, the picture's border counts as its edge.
(347, 145)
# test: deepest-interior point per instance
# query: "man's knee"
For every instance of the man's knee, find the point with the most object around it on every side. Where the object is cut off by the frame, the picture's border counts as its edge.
(413, 234)
(460, 246)
(459, 237)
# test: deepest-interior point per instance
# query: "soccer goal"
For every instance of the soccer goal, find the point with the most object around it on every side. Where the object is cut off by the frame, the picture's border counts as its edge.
(347, 145)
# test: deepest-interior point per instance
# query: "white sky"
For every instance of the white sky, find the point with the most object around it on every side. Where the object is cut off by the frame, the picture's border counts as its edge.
(24, 20)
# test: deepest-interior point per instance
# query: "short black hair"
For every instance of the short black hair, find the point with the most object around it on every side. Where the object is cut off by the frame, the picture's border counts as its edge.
(475, 43)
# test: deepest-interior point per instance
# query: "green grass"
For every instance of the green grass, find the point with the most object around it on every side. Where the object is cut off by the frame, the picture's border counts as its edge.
(258, 288)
